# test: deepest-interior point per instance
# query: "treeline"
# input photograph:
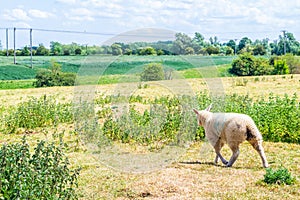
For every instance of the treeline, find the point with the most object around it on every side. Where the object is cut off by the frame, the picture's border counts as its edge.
(182, 45)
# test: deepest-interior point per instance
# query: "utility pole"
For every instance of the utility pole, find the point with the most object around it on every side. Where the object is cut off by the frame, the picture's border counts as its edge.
(31, 48)
(7, 42)
(284, 42)
(15, 45)
(235, 46)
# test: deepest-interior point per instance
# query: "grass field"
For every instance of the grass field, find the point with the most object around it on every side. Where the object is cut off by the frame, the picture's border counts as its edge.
(191, 175)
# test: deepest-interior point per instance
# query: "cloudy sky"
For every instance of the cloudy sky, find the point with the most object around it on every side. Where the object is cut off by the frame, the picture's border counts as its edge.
(103, 19)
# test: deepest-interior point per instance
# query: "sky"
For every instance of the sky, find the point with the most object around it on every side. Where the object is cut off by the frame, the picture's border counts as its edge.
(99, 21)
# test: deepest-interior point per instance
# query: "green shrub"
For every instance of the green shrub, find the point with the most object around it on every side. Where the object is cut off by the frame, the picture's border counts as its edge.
(153, 72)
(280, 67)
(54, 77)
(248, 65)
(280, 176)
(45, 174)
(277, 118)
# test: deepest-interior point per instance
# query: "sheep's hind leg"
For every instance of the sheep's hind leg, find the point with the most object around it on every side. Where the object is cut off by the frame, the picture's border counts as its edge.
(257, 145)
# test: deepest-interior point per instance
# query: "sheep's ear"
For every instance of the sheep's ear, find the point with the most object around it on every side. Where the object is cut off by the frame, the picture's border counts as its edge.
(196, 111)
(209, 107)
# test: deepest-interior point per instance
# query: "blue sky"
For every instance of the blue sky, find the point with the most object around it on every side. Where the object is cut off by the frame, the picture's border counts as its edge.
(222, 18)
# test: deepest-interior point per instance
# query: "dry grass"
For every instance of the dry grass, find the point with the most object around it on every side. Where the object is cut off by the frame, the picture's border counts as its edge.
(191, 176)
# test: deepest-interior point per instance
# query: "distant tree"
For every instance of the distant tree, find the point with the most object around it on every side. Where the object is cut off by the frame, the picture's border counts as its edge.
(189, 51)
(116, 49)
(259, 50)
(25, 51)
(245, 41)
(228, 50)
(147, 51)
(231, 44)
(56, 48)
(198, 42)
(42, 50)
(160, 52)
(182, 41)
(212, 50)
(78, 51)
(66, 52)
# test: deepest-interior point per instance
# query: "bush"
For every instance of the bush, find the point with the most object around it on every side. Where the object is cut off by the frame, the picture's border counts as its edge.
(43, 175)
(280, 67)
(54, 77)
(280, 176)
(248, 65)
(153, 72)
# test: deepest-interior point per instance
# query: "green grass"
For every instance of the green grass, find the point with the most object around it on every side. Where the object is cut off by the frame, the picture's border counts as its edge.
(16, 84)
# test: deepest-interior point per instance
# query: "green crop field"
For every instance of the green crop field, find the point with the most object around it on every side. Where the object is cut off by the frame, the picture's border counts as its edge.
(113, 64)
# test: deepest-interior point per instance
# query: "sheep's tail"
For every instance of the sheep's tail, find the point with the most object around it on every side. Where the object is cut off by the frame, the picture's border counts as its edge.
(252, 132)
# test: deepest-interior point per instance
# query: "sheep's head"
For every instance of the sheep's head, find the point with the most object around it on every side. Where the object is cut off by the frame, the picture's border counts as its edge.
(202, 115)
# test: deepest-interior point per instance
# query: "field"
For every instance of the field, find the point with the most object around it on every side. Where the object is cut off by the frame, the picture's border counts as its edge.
(111, 66)
(182, 173)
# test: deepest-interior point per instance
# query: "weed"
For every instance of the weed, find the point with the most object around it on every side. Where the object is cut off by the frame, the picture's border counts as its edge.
(280, 176)
(43, 175)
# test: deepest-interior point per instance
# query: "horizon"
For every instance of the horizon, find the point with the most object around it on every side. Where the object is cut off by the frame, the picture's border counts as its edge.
(107, 19)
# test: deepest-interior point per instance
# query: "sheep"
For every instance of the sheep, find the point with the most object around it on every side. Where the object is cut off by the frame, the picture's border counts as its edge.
(230, 128)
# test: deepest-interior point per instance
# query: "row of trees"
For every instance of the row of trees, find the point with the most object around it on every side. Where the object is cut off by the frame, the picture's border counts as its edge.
(182, 45)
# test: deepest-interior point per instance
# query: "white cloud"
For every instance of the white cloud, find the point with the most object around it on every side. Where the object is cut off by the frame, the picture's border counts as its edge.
(39, 14)
(16, 14)
(80, 14)
(21, 25)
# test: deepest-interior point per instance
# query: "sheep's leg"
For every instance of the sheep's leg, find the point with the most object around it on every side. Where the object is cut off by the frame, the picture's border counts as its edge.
(257, 145)
(218, 146)
(235, 155)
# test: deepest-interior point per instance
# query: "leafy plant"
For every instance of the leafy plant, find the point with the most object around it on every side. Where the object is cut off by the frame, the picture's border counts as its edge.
(45, 174)
(41, 112)
(280, 176)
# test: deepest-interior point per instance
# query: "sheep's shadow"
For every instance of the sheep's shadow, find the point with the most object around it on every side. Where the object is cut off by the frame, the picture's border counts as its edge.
(212, 164)
(198, 163)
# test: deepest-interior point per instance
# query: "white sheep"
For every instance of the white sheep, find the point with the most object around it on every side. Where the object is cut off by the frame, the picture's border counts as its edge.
(233, 129)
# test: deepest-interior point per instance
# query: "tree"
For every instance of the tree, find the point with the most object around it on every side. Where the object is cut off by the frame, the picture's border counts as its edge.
(42, 51)
(56, 48)
(259, 50)
(243, 43)
(153, 72)
(116, 49)
(189, 51)
(25, 51)
(78, 51)
(147, 51)
(181, 42)
(231, 44)
(212, 50)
